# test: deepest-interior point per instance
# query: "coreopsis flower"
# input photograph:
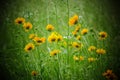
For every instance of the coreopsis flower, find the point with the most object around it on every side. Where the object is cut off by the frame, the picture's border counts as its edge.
(84, 31)
(27, 26)
(49, 27)
(34, 73)
(54, 52)
(73, 20)
(102, 35)
(29, 47)
(20, 20)
(74, 33)
(32, 36)
(52, 38)
(100, 51)
(91, 59)
(59, 38)
(91, 48)
(77, 28)
(76, 58)
(81, 58)
(77, 45)
(78, 37)
(109, 75)
(55, 37)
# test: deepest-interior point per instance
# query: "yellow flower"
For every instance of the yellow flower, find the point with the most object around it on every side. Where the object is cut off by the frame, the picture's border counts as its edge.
(100, 51)
(91, 59)
(77, 28)
(39, 40)
(19, 20)
(76, 58)
(27, 26)
(29, 46)
(54, 52)
(81, 58)
(55, 37)
(59, 38)
(52, 38)
(84, 31)
(109, 75)
(78, 37)
(73, 20)
(102, 35)
(32, 36)
(74, 33)
(75, 17)
(91, 48)
(50, 27)
(34, 73)
(76, 45)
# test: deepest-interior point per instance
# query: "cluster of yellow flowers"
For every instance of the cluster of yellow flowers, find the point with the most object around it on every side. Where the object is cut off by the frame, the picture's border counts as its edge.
(26, 25)
(102, 35)
(81, 58)
(76, 58)
(98, 51)
(56, 37)
(110, 75)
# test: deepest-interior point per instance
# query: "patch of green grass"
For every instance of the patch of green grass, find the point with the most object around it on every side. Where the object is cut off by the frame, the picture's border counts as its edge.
(93, 15)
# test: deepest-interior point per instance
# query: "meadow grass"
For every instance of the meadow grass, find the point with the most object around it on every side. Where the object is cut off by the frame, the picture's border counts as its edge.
(93, 15)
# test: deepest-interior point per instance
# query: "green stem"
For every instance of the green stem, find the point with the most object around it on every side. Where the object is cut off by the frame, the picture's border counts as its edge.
(68, 34)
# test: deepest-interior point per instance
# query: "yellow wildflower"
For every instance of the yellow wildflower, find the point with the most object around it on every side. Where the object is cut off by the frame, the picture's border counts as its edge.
(91, 48)
(91, 59)
(32, 36)
(59, 38)
(50, 27)
(109, 75)
(19, 20)
(29, 46)
(74, 33)
(81, 58)
(34, 73)
(84, 31)
(54, 52)
(102, 35)
(100, 51)
(77, 28)
(73, 20)
(55, 37)
(76, 45)
(78, 37)
(27, 26)
(76, 58)
(52, 38)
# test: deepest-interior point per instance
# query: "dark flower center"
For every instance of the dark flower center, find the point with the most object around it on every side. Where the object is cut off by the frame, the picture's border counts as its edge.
(39, 41)
(19, 22)
(53, 39)
(29, 48)
(103, 35)
(27, 27)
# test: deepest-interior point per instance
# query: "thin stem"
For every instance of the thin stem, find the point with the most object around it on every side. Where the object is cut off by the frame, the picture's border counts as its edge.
(68, 33)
